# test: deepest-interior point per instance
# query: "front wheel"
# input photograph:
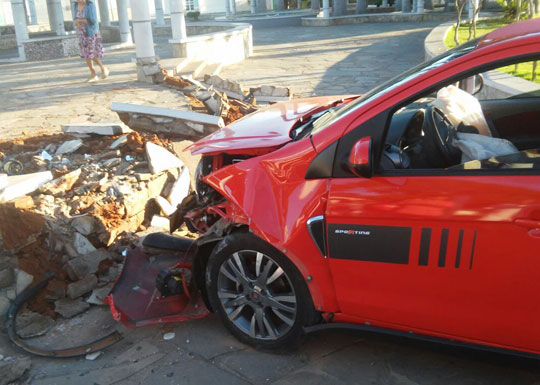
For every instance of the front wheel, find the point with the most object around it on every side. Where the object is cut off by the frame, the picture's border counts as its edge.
(258, 293)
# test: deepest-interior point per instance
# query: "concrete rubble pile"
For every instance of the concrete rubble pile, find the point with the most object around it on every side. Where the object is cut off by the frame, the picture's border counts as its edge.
(72, 204)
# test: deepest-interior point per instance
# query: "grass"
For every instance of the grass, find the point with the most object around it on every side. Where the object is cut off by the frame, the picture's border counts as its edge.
(483, 27)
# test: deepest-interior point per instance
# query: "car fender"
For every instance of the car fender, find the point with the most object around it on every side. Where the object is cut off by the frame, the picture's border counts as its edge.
(270, 195)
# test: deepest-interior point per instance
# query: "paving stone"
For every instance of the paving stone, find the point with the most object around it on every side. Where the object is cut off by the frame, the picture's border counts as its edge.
(13, 369)
(96, 128)
(261, 367)
(69, 147)
(86, 285)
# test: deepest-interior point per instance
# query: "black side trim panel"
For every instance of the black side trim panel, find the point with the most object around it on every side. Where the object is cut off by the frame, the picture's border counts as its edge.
(323, 164)
(389, 244)
(473, 247)
(425, 240)
(442, 249)
(317, 230)
(459, 245)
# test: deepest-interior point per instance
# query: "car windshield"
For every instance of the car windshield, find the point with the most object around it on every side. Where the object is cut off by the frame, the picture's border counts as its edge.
(333, 115)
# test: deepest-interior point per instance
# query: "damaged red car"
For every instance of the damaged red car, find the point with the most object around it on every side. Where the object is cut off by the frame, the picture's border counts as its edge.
(412, 210)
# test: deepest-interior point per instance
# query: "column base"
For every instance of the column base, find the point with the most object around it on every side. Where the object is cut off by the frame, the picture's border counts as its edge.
(149, 70)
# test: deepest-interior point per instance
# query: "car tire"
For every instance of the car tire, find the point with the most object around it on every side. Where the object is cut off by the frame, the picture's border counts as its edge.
(258, 293)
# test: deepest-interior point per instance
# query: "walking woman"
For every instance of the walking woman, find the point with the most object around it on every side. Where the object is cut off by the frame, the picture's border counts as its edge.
(89, 39)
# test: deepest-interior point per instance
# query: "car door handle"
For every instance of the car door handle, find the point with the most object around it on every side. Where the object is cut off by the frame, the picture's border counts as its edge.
(532, 224)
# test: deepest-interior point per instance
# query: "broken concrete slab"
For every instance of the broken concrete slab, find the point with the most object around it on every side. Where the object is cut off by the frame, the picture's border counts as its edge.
(69, 308)
(160, 222)
(160, 159)
(82, 245)
(180, 188)
(5, 303)
(69, 147)
(110, 129)
(185, 124)
(12, 370)
(19, 185)
(30, 324)
(79, 288)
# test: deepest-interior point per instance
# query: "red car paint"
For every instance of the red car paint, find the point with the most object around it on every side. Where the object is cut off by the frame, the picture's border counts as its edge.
(470, 271)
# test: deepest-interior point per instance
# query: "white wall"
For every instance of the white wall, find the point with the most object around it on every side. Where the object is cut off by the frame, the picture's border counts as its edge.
(218, 6)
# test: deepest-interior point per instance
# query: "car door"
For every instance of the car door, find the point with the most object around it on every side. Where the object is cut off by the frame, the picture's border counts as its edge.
(455, 255)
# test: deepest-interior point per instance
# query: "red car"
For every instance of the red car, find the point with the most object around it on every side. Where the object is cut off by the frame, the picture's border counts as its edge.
(374, 212)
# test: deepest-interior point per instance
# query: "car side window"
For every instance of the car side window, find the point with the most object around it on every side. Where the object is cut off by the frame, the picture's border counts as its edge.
(478, 123)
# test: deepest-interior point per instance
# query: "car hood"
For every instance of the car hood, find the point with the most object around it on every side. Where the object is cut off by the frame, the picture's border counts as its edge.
(266, 128)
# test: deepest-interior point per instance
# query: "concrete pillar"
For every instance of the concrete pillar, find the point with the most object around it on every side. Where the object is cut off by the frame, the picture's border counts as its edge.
(56, 17)
(227, 8)
(32, 11)
(178, 20)
(326, 8)
(160, 19)
(142, 29)
(19, 20)
(104, 13)
(123, 20)
(419, 6)
(233, 7)
(406, 6)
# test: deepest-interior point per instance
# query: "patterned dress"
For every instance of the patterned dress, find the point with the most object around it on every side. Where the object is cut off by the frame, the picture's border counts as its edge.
(91, 46)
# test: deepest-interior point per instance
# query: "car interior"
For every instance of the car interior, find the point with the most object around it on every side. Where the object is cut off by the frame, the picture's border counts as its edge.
(454, 130)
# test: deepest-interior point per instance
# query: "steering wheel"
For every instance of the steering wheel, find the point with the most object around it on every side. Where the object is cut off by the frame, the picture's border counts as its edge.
(439, 131)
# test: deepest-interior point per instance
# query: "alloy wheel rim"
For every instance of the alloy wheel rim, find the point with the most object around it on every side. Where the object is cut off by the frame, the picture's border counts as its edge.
(257, 295)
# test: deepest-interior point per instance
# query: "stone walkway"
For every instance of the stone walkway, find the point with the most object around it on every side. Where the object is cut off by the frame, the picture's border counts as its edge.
(38, 97)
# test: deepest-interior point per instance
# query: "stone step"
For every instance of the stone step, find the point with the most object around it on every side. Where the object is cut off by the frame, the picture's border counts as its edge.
(192, 69)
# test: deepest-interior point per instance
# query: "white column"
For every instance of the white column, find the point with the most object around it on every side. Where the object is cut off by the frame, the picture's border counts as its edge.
(19, 20)
(142, 29)
(178, 20)
(104, 13)
(414, 6)
(123, 20)
(384, 3)
(227, 8)
(233, 7)
(56, 17)
(32, 11)
(253, 6)
(420, 6)
(160, 20)
(167, 7)
(326, 8)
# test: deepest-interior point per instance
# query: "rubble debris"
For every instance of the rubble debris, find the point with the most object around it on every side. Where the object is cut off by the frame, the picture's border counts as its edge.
(3, 181)
(165, 206)
(83, 224)
(12, 370)
(69, 308)
(7, 277)
(82, 245)
(112, 129)
(98, 295)
(13, 167)
(19, 185)
(232, 89)
(30, 324)
(5, 303)
(79, 288)
(23, 281)
(180, 189)
(63, 184)
(159, 222)
(78, 268)
(169, 336)
(270, 93)
(69, 147)
(119, 142)
(93, 356)
(185, 124)
(159, 159)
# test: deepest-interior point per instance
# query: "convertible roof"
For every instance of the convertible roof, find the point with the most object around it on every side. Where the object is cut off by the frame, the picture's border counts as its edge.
(522, 29)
